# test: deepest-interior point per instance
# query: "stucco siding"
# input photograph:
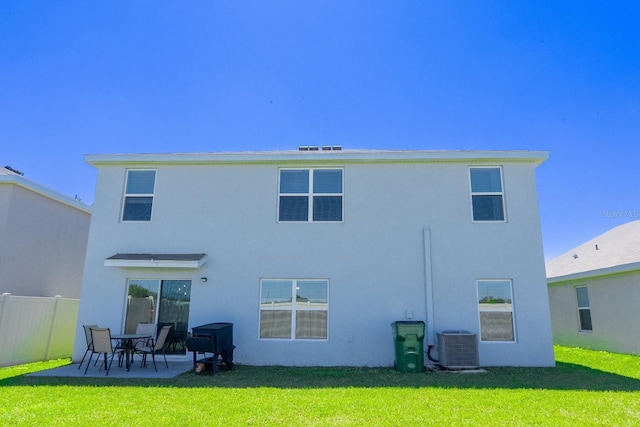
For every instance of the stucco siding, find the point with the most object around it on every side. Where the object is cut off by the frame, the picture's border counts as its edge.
(44, 243)
(5, 198)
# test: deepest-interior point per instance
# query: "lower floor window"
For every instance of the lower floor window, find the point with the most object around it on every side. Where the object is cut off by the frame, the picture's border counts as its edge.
(294, 309)
(584, 309)
(495, 305)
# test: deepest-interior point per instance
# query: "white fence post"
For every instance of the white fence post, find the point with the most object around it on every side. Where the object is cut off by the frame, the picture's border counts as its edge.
(3, 307)
(54, 316)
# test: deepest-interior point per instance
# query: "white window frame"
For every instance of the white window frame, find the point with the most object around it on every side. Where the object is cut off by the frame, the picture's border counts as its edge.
(488, 193)
(310, 195)
(126, 195)
(587, 309)
(496, 308)
(295, 307)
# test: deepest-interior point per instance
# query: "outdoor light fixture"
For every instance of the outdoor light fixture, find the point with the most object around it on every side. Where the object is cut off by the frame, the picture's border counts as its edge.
(203, 279)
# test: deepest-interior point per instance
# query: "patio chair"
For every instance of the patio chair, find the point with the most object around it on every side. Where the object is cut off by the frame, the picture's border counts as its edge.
(102, 344)
(87, 336)
(145, 329)
(154, 346)
(171, 336)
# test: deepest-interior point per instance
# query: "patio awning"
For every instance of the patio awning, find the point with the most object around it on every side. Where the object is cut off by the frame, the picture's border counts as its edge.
(193, 261)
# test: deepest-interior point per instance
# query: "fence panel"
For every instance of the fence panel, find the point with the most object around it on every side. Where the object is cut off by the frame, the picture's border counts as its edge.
(33, 329)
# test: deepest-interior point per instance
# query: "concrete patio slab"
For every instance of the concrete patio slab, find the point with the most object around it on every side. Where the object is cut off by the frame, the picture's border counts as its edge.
(136, 371)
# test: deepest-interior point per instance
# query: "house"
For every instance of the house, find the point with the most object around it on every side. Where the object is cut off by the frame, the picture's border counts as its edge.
(313, 253)
(43, 239)
(594, 291)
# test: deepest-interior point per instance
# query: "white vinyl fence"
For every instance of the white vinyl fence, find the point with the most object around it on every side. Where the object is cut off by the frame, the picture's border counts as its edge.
(34, 329)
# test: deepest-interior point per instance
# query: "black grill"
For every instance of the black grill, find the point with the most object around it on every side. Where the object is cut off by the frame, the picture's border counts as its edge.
(215, 338)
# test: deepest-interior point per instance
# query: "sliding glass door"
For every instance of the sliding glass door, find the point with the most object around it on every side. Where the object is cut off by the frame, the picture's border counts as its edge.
(165, 302)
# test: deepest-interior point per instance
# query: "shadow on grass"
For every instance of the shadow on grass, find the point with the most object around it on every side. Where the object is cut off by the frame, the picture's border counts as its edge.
(565, 376)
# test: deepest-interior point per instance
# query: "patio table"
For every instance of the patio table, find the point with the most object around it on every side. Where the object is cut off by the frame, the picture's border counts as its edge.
(128, 344)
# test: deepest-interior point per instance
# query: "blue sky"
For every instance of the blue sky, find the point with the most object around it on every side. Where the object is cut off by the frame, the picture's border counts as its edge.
(79, 77)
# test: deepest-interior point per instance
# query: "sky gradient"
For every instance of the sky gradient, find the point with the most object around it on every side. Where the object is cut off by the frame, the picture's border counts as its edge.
(80, 77)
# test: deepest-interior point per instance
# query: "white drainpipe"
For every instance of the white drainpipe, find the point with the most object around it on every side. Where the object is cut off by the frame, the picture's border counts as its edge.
(430, 336)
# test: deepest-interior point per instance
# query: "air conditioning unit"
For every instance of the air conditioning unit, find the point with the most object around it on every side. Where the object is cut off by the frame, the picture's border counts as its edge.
(458, 349)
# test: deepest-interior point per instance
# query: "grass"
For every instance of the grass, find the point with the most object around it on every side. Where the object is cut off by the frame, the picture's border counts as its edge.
(585, 388)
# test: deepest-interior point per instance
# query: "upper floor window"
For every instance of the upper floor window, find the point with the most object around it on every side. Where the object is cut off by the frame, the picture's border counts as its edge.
(310, 195)
(138, 195)
(487, 196)
(495, 305)
(584, 309)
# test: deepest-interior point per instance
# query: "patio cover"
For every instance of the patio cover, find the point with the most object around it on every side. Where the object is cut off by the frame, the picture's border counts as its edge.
(192, 261)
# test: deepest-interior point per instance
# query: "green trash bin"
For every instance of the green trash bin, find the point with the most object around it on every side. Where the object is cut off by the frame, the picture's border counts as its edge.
(408, 337)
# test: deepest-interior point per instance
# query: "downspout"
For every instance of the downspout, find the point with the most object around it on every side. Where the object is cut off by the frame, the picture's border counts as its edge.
(428, 289)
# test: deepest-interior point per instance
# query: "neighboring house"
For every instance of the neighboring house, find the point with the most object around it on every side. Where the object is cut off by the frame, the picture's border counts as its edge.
(312, 254)
(43, 239)
(594, 291)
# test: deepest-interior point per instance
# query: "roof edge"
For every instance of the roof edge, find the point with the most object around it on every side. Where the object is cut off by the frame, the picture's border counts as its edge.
(44, 191)
(536, 157)
(601, 272)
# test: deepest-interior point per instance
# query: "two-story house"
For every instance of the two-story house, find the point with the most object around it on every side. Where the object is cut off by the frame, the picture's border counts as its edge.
(313, 253)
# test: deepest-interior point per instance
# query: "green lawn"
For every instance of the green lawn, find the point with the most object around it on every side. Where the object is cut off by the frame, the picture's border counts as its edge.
(586, 388)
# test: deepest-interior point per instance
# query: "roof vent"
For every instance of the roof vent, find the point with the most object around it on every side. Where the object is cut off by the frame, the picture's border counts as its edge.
(14, 170)
(323, 148)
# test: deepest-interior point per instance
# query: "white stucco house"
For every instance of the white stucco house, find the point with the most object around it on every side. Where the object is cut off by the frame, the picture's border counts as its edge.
(43, 239)
(594, 290)
(313, 253)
